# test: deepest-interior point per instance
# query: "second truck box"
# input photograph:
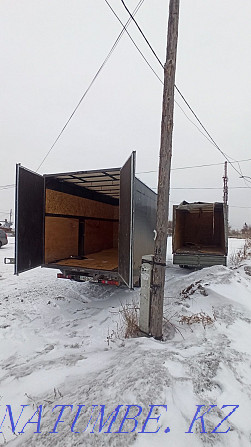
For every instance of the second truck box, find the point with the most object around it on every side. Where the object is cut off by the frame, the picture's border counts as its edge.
(200, 234)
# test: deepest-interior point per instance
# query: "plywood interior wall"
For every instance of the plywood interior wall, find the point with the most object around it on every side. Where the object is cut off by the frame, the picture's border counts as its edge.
(62, 203)
(115, 234)
(99, 235)
(179, 230)
(220, 222)
(202, 228)
(61, 238)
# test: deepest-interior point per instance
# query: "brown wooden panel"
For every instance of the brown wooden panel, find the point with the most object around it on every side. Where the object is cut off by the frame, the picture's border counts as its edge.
(199, 229)
(61, 238)
(115, 234)
(98, 236)
(202, 228)
(201, 249)
(62, 203)
(179, 229)
(103, 260)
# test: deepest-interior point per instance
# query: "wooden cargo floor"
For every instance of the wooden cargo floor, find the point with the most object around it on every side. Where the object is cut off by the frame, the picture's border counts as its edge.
(203, 249)
(103, 260)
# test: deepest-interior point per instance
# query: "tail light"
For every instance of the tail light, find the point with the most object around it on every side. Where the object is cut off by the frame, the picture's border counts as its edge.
(61, 275)
(110, 281)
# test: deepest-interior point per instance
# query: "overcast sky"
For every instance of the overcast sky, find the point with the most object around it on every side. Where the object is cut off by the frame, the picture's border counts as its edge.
(51, 49)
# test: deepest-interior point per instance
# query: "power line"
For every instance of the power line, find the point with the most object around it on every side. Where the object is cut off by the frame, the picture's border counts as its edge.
(7, 186)
(106, 59)
(173, 169)
(150, 66)
(235, 206)
(206, 187)
(194, 124)
(189, 187)
(134, 43)
(242, 176)
(93, 80)
(141, 32)
(182, 96)
(197, 166)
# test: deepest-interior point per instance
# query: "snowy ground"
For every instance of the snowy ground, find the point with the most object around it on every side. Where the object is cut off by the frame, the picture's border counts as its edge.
(61, 344)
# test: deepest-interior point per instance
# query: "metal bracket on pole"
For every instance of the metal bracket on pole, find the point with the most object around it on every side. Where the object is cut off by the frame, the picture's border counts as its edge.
(145, 293)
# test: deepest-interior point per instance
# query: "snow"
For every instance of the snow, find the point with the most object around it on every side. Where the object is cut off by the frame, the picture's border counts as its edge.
(61, 343)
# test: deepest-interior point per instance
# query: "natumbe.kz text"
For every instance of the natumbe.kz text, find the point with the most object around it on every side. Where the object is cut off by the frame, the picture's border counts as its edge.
(123, 419)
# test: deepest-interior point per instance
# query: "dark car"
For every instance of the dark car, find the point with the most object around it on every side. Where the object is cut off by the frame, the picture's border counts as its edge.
(3, 238)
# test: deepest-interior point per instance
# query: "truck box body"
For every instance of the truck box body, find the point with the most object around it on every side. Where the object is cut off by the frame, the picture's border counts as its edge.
(88, 224)
(200, 234)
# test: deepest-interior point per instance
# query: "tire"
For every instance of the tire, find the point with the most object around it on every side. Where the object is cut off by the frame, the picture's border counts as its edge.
(1, 244)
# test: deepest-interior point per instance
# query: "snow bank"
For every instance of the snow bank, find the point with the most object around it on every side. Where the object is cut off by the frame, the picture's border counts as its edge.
(61, 344)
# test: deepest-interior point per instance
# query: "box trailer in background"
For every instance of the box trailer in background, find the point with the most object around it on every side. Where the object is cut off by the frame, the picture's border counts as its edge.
(88, 224)
(200, 234)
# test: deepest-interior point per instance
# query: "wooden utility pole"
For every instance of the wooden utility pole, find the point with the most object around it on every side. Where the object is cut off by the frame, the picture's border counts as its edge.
(225, 195)
(225, 187)
(159, 263)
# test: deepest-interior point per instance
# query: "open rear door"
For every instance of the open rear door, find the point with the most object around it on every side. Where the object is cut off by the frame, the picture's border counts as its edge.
(29, 225)
(126, 216)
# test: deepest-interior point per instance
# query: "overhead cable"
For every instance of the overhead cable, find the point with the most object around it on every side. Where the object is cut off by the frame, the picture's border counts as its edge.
(7, 186)
(182, 96)
(206, 187)
(93, 80)
(197, 166)
(173, 169)
(157, 76)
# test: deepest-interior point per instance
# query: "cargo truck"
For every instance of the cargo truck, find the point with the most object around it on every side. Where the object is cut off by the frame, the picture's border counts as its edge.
(200, 234)
(91, 225)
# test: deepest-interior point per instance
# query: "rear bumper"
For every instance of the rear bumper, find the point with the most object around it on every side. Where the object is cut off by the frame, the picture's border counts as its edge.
(80, 274)
(199, 260)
